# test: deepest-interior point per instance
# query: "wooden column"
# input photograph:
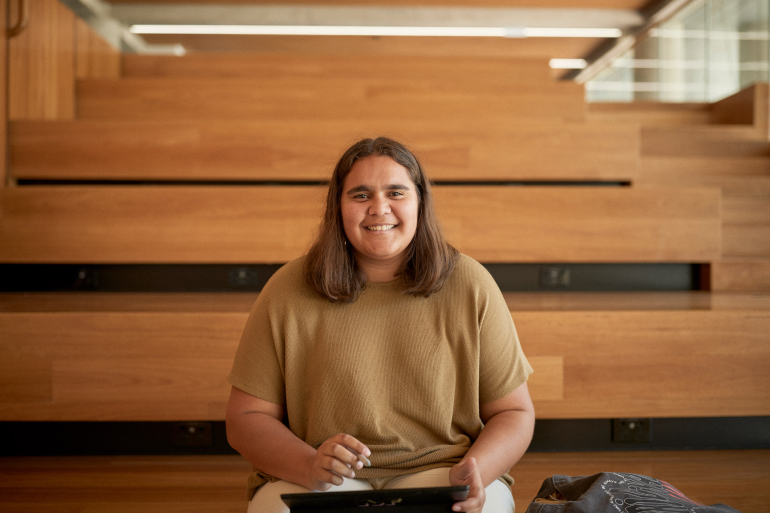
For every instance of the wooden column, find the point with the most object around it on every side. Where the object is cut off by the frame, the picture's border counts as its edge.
(41, 64)
(4, 177)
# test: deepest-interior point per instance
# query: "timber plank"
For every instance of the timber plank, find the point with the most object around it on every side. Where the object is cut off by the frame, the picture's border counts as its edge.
(145, 366)
(217, 483)
(41, 64)
(269, 150)
(274, 224)
(459, 69)
(749, 275)
(704, 141)
(286, 98)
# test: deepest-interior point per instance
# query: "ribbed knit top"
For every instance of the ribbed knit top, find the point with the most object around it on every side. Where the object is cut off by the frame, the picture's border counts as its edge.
(405, 375)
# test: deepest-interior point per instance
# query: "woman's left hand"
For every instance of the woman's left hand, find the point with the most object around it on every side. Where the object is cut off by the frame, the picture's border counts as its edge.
(466, 473)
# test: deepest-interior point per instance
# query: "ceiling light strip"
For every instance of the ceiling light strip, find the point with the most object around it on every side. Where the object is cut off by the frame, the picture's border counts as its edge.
(344, 30)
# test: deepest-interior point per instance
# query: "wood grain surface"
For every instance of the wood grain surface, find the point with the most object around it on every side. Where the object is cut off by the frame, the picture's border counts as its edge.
(217, 484)
(274, 224)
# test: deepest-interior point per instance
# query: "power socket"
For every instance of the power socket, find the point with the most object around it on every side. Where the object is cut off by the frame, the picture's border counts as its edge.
(192, 434)
(632, 431)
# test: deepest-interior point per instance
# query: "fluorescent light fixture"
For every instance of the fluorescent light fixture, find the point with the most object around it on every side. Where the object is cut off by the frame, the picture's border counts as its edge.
(567, 63)
(573, 32)
(345, 30)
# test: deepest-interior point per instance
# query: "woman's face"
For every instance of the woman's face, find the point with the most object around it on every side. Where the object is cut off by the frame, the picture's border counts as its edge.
(379, 207)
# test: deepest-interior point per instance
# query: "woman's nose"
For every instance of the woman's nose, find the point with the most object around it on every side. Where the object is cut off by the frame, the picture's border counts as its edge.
(379, 206)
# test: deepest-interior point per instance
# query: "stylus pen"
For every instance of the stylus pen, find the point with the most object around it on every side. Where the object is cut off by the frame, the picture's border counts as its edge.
(363, 459)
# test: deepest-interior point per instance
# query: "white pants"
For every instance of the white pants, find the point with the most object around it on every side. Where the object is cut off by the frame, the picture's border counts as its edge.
(268, 496)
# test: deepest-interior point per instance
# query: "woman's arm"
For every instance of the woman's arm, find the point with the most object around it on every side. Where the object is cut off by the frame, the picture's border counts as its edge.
(255, 429)
(508, 426)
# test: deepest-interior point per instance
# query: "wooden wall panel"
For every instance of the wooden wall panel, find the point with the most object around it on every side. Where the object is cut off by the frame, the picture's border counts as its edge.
(41, 76)
(4, 173)
(95, 58)
(268, 224)
(308, 150)
(588, 364)
(310, 98)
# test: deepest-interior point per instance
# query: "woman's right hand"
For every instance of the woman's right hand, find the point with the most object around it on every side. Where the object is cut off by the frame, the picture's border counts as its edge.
(334, 460)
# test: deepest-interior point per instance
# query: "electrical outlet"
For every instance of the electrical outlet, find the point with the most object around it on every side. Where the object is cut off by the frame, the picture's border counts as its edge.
(632, 431)
(242, 277)
(192, 434)
(554, 277)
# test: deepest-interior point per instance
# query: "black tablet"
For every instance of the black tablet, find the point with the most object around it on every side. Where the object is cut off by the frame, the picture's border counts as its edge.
(406, 500)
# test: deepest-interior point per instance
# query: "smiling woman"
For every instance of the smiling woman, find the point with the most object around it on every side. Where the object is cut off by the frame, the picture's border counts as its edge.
(379, 214)
(382, 342)
(378, 183)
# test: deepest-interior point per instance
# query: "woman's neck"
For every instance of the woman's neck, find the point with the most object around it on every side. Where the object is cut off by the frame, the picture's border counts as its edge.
(380, 271)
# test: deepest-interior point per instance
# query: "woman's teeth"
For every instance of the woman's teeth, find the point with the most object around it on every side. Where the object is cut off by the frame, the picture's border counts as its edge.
(381, 228)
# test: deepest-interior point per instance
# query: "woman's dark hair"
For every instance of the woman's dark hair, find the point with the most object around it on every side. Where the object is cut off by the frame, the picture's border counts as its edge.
(329, 265)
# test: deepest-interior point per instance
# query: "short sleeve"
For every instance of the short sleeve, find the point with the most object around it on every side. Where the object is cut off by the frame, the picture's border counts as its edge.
(258, 365)
(502, 364)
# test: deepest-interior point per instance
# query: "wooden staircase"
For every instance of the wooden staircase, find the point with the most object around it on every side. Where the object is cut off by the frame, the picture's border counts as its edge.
(215, 159)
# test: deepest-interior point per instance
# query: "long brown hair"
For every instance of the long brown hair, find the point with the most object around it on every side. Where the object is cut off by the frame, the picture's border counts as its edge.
(329, 265)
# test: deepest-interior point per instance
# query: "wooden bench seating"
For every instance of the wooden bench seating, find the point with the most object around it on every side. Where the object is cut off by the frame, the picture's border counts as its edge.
(225, 149)
(478, 70)
(95, 356)
(274, 224)
(282, 98)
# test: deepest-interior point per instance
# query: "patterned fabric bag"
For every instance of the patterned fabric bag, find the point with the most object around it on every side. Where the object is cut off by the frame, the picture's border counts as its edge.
(615, 492)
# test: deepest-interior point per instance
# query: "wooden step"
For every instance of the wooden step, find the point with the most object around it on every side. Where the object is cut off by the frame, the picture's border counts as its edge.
(746, 240)
(750, 106)
(662, 168)
(481, 71)
(309, 98)
(170, 363)
(746, 227)
(741, 275)
(712, 141)
(268, 150)
(272, 224)
(650, 114)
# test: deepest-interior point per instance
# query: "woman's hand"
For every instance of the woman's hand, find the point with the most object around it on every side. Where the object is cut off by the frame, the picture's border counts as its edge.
(466, 473)
(334, 460)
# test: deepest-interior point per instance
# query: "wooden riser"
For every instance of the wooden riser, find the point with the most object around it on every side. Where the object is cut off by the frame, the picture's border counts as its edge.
(588, 364)
(308, 99)
(749, 275)
(479, 71)
(307, 150)
(708, 142)
(273, 224)
(651, 114)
